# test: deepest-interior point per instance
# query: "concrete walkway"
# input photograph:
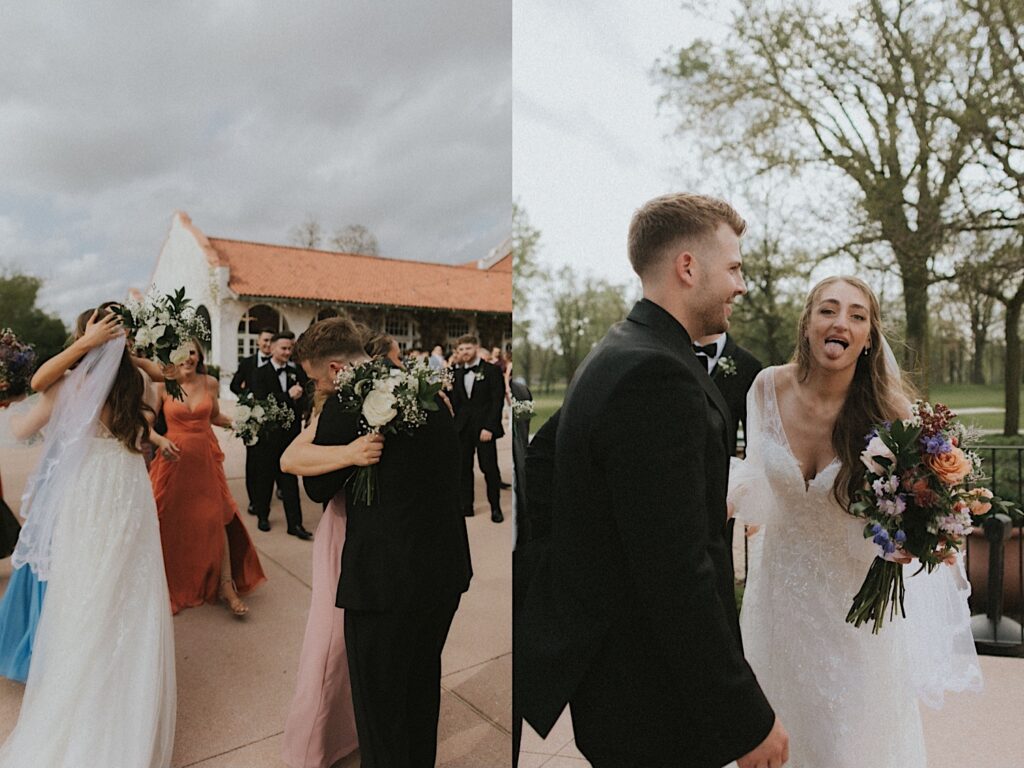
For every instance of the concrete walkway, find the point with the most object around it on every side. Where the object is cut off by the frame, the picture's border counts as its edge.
(236, 677)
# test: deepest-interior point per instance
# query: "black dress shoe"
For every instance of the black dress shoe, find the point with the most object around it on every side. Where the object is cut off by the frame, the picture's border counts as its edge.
(467, 511)
(250, 510)
(263, 524)
(504, 486)
(301, 532)
(496, 516)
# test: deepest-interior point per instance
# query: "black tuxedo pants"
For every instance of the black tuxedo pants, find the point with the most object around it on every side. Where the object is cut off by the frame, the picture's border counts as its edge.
(266, 470)
(487, 458)
(251, 471)
(394, 661)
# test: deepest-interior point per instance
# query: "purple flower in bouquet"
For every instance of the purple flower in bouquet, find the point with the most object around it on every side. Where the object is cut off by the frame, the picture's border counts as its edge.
(937, 444)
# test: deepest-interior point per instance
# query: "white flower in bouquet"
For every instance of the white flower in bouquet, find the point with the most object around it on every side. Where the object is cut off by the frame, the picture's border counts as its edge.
(388, 401)
(242, 413)
(379, 405)
(877, 449)
(180, 355)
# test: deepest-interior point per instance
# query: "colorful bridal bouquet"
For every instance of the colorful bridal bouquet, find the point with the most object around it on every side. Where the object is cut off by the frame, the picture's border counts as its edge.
(920, 499)
(389, 401)
(254, 418)
(17, 362)
(162, 327)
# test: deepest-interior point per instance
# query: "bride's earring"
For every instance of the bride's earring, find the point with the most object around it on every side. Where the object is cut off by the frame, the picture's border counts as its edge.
(866, 352)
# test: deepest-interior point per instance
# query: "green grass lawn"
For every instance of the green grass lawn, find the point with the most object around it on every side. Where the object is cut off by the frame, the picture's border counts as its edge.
(545, 404)
(954, 395)
(958, 396)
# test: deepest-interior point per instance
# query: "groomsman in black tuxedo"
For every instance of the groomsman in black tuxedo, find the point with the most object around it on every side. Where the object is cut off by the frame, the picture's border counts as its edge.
(630, 617)
(283, 380)
(478, 396)
(733, 369)
(404, 566)
(242, 382)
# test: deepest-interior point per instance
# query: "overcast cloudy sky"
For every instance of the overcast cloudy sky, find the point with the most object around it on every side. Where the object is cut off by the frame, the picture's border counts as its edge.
(590, 145)
(249, 116)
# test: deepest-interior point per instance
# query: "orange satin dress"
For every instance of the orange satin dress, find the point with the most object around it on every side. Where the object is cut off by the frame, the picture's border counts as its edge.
(194, 506)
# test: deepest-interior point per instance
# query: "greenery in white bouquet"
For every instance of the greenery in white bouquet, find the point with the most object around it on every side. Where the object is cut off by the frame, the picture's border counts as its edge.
(161, 327)
(255, 418)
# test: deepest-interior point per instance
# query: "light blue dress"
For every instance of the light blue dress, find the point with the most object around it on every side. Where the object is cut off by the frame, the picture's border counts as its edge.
(19, 614)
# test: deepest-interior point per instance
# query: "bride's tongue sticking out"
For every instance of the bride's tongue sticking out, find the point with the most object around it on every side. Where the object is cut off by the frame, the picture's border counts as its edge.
(834, 349)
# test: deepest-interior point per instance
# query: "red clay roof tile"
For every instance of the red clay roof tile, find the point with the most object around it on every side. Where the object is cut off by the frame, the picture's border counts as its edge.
(259, 269)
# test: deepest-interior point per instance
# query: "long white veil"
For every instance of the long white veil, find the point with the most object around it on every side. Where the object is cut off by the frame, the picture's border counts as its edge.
(940, 652)
(75, 419)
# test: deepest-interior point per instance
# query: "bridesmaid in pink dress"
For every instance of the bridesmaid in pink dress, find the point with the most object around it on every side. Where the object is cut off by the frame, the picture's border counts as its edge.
(321, 728)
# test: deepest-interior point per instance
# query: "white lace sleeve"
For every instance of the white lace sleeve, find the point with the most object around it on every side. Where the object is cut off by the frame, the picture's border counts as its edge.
(750, 495)
(940, 652)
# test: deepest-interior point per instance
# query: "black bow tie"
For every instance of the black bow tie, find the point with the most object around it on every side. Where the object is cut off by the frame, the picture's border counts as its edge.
(473, 368)
(708, 350)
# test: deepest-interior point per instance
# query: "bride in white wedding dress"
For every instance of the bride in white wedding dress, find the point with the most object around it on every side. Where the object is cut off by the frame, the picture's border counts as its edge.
(101, 687)
(848, 697)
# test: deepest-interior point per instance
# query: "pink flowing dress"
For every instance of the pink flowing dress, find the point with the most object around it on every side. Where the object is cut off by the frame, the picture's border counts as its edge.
(321, 727)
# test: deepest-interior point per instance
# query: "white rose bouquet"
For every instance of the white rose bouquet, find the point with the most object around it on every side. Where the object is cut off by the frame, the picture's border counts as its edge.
(161, 327)
(254, 418)
(389, 401)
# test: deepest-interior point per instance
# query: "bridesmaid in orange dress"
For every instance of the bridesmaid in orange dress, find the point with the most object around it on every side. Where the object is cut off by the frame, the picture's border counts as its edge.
(208, 554)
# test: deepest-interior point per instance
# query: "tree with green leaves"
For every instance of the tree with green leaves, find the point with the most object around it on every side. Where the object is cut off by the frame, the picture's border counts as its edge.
(584, 309)
(18, 311)
(528, 279)
(873, 97)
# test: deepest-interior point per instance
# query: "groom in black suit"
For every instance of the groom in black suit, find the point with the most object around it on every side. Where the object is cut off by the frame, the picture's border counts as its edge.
(404, 567)
(631, 618)
(286, 382)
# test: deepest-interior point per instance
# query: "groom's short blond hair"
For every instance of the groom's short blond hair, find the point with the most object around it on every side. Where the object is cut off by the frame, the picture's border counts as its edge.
(335, 337)
(666, 222)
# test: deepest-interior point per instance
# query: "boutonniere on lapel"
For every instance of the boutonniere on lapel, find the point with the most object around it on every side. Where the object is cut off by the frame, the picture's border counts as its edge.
(478, 375)
(727, 366)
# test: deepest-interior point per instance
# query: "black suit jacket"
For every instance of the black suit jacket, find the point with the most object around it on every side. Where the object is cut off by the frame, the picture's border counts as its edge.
(410, 547)
(242, 381)
(734, 386)
(267, 383)
(482, 409)
(631, 617)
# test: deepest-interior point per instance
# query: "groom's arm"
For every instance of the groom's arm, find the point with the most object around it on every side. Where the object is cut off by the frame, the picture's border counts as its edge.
(653, 434)
(336, 427)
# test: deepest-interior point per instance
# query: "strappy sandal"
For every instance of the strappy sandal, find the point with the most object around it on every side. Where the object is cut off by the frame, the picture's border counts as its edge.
(232, 601)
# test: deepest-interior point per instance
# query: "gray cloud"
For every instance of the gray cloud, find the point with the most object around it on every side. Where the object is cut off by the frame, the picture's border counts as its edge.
(249, 116)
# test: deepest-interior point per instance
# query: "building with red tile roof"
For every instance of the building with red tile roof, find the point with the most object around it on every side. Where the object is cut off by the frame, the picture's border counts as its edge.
(243, 287)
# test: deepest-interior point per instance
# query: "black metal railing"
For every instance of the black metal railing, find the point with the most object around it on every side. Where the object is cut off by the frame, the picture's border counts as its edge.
(995, 560)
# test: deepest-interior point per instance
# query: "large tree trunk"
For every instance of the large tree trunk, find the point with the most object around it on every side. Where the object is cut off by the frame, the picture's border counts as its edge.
(978, 362)
(915, 303)
(1011, 421)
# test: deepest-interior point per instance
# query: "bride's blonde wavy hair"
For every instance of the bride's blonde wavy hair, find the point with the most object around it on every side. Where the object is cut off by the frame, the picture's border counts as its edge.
(874, 396)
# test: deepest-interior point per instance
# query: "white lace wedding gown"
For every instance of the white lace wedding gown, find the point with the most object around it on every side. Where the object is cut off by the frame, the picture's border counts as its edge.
(101, 687)
(848, 698)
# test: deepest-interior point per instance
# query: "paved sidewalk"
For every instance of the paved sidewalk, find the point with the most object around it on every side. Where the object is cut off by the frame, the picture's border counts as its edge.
(236, 677)
(971, 731)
